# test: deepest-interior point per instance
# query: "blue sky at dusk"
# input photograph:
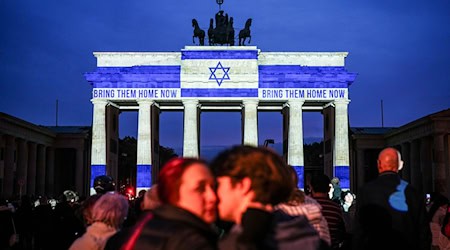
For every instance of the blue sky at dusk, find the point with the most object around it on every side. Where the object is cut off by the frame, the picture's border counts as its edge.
(400, 50)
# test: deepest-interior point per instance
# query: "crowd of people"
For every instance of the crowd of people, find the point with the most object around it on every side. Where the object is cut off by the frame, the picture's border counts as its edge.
(246, 198)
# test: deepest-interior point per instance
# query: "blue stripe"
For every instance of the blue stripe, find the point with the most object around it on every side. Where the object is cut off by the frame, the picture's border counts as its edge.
(144, 176)
(219, 93)
(287, 85)
(291, 76)
(219, 54)
(343, 173)
(135, 77)
(300, 174)
(97, 170)
(397, 200)
(150, 84)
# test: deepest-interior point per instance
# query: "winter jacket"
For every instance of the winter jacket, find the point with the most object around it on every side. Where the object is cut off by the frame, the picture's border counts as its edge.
(391, 214)
(275, 230)
(168, 228)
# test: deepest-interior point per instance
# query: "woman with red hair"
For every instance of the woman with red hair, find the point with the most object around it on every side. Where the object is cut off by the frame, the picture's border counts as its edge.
(184, 220)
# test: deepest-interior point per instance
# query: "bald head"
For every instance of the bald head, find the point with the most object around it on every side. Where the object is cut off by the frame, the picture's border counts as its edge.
(389, 160)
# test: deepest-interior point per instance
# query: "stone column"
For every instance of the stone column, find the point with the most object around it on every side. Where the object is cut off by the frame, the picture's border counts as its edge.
(31, 178)
(426, 166)
(22, 166)
(79, 170)
(360, 168)
(446, 161)
(406, 171)
(250, 122)
(40, 173)
(98, 156)
(416, 180)
(144, 146)
(50, 172)
(441, 161)
(341, 161)
(8, 176)
(295, 139)
(190, 142)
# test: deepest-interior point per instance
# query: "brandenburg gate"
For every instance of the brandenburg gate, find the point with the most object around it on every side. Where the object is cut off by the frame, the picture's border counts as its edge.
(225, 78)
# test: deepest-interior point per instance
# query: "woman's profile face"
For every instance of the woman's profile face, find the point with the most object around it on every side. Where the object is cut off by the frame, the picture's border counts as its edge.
(196, 193)
(348, 198)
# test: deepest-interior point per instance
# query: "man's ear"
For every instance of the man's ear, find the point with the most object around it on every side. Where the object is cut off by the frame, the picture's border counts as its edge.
(246, 184)
(400, 165)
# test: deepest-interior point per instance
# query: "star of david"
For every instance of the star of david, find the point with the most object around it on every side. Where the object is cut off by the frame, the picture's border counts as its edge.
(219, 79)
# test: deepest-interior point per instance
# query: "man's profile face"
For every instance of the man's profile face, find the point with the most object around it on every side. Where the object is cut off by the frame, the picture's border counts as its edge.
(229, 199)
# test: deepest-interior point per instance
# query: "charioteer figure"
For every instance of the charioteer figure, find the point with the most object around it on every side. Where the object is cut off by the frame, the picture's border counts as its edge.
(223, 32)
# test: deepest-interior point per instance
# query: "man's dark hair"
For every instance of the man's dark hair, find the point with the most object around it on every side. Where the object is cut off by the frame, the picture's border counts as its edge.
(320, 183)
(270, 176)
(104, 184)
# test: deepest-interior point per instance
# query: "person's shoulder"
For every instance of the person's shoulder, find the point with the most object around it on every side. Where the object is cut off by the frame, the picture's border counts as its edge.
(371, 186)
(84, 242)
(234, 240)
(295, 233)
(413, 193)
(411, 188)
(177, 234)
(118, 239)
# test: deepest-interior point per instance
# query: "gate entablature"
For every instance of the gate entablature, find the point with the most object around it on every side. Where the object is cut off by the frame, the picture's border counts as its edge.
(206, 76)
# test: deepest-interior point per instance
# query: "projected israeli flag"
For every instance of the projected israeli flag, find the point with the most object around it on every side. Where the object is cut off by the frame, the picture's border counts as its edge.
(219, 72)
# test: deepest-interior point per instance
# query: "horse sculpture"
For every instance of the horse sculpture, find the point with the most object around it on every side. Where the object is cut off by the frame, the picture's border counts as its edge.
(230, 32)
(211, 32)
(199, 33)
(245, 32)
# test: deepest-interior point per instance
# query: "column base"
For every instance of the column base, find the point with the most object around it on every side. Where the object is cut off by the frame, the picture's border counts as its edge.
(96, 170)
(300, 174)
(143, 177)
(343, 173)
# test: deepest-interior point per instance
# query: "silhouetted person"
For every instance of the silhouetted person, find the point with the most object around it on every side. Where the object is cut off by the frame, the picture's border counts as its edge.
(436, 216)
(336, 190)
(320, 186)
(104, 184)
(301, 204)
(391, 213)
(151, 199)
(68, 226)
(24, 219)
(108, 214)
(44, 225)
(6, 224)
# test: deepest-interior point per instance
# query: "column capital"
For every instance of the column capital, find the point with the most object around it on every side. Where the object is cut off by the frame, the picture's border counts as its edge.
(9, 139)
(22, 141)
(295, 102)
(250, 102)
(341, 101)
(190, 102)
(99, 101)
(145, 102)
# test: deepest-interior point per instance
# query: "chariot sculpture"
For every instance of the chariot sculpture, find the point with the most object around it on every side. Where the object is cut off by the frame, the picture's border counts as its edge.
(223, 31)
